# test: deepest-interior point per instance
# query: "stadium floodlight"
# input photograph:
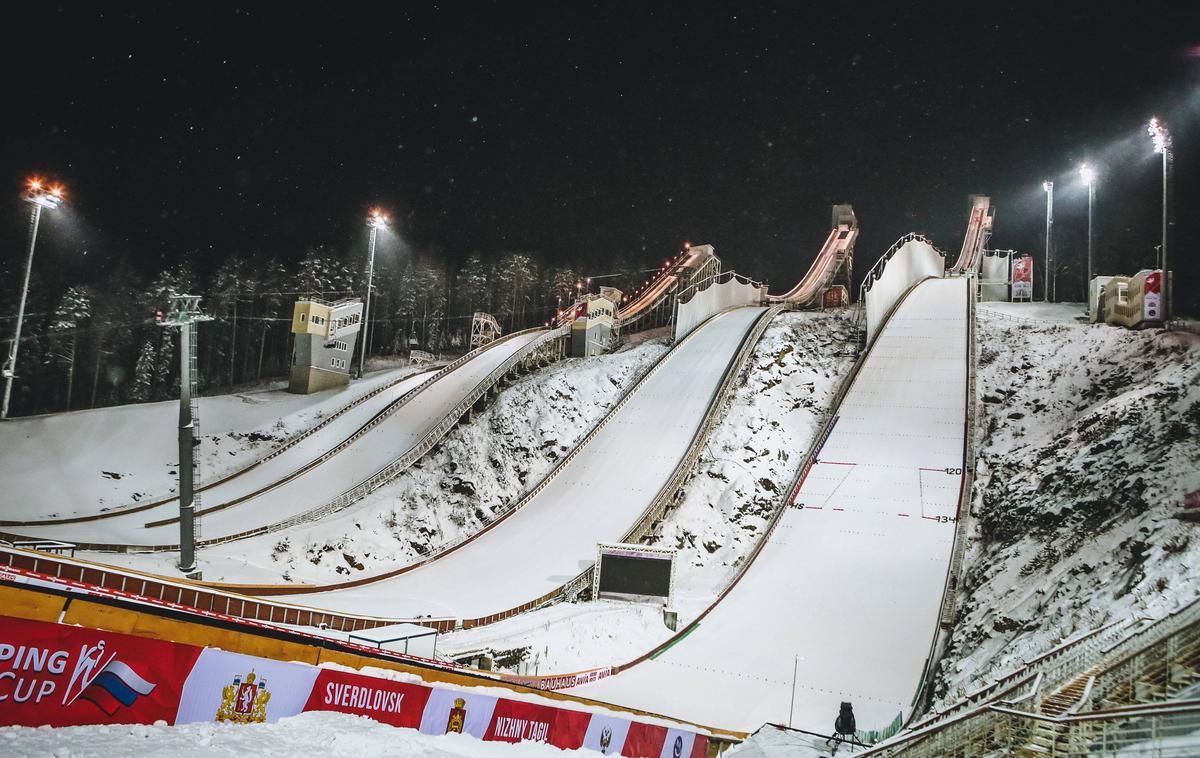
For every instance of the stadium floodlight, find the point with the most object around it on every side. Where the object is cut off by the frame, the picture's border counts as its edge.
(1088, 175)
(42, 197)
(376, 220)
(1161, 139)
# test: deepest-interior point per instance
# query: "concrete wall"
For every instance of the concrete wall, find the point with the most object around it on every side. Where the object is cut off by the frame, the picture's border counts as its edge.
(711, 301)
(914, 261)
(994, 276)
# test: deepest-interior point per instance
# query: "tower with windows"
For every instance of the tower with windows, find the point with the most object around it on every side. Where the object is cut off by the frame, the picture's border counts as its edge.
(323, 346)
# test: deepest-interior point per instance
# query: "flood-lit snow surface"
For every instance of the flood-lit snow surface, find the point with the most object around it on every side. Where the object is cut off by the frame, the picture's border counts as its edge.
(318, 733)
(455, 490)
(112, 457)
(260, 497)
(846, 591)
(741, 477)
(595, 497)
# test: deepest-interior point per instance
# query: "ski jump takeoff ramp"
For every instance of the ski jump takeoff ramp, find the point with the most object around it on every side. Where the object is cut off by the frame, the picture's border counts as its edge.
(842, 602)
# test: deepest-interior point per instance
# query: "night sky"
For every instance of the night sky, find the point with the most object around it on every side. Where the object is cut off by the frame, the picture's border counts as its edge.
(587, 133)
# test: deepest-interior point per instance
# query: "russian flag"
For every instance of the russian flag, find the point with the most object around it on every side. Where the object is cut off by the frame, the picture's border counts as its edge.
(116, 685)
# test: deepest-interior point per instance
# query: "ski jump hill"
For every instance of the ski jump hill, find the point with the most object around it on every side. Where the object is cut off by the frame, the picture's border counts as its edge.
(841, 599)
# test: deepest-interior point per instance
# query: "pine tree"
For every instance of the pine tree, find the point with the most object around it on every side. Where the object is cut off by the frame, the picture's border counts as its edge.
(231, 283)
(74, 308)
(515, 278)
(143, 373)
(271, 278)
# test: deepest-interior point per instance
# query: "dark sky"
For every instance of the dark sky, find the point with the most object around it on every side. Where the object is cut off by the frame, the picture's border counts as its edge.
(586, 132)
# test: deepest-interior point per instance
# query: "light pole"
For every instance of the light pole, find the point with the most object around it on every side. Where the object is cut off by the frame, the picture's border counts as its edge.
(1048, 186)
(1088, 175)
(376, 220)
(185, 314)
(1162, 144)
(40, 197)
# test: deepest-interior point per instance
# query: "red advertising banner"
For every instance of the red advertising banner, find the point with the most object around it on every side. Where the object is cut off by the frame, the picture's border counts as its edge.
(1152, 297)
(644, 740)
(1022, 278)
(518, 721)
(383, 700)
(57, 675)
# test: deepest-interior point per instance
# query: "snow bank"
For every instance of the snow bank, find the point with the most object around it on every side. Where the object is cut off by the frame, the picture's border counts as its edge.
(318, 733)
(1089, 438)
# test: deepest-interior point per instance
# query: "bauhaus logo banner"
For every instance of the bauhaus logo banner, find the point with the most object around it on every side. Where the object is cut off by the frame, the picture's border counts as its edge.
(66, 675)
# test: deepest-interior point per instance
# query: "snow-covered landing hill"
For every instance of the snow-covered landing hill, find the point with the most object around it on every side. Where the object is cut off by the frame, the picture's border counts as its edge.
(111, 457)
(456, 489)
(1088, 440)
(742, 475)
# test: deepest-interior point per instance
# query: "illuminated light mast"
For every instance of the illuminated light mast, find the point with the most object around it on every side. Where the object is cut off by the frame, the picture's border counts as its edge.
(41, 197)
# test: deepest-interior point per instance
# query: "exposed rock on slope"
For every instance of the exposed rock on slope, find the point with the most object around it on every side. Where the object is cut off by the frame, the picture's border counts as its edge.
(1089, 439)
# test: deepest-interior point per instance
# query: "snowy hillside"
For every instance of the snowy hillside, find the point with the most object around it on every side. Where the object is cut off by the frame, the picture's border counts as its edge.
(1088, 438)
(741, 477)
(459, 487)
(110, 457)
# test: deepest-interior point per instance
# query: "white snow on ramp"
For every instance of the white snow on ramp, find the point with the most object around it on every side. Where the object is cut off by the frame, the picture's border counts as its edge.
(364, 457)
(847, 590)
(596, 497)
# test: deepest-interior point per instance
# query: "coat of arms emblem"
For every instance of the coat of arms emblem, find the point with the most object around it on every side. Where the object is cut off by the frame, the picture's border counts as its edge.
(244, 702)
(458, 716)
(605, 739)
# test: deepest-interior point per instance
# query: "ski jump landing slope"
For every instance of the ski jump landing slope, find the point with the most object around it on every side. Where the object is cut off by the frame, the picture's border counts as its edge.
(290, 484)
(847, 590)
(596, 497)
(57, 495)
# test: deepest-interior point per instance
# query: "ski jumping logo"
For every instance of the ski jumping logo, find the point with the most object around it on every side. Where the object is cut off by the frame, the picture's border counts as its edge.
(107, 683)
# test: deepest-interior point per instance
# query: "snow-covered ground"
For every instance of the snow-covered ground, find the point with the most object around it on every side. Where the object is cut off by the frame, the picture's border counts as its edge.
(111, 457)
(454, 491)
(303, 478)
(741, 477)
(595, 496)
(1089, 439)
(842, 602)
(317, 733)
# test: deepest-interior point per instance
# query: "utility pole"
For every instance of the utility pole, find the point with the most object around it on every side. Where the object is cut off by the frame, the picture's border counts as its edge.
(1162, 145)
(185, 314)
(1049, 188)
(376, 221)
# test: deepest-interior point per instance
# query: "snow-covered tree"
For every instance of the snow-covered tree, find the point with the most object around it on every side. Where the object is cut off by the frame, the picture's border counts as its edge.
(74, 308)
(231, 283)
(515, 279)
(323, 274)
(144, 373)
(271, 278)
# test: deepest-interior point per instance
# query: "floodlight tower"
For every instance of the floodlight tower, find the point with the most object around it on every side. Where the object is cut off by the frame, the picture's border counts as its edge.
(1048, 186)
(185, 314)
(376, 220)
(1162, 144)
(1088, 175)
(41, 197)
